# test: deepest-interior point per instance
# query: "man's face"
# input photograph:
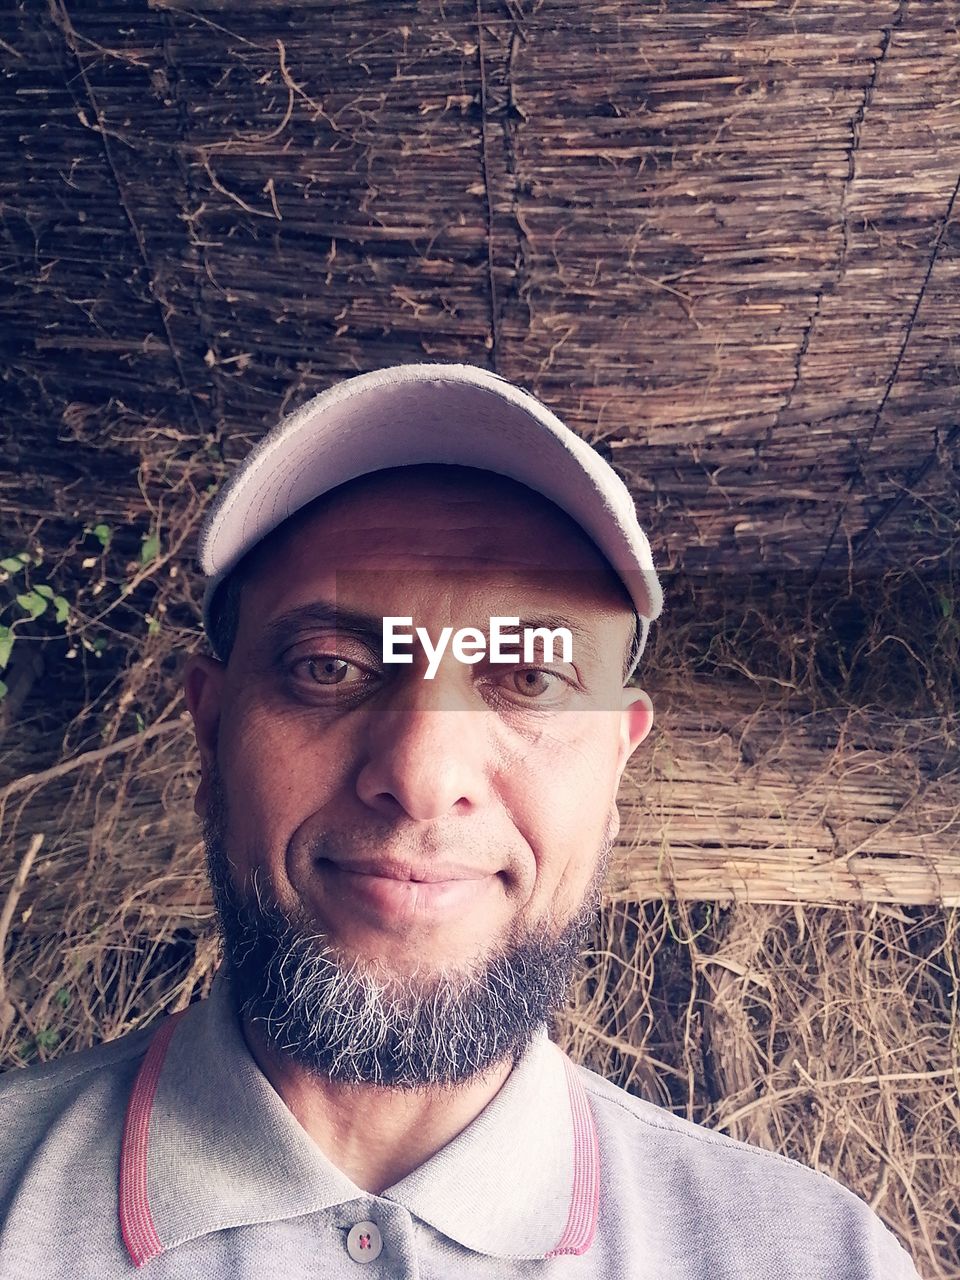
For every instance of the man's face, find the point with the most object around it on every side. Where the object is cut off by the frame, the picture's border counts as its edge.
(418, 828)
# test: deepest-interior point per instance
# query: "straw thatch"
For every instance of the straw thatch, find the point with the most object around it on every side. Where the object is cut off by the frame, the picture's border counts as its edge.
(721, 239)
(740, 800)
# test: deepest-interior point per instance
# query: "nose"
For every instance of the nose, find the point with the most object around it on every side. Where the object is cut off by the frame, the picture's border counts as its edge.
(427, 756)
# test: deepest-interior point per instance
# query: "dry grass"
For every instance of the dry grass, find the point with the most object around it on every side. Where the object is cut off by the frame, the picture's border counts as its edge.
(829, 1034)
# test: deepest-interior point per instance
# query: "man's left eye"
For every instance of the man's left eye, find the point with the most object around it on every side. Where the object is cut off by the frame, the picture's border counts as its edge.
(534, 682)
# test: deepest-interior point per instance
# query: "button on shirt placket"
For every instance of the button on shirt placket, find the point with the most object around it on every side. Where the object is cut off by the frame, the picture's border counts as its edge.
(364, 1242)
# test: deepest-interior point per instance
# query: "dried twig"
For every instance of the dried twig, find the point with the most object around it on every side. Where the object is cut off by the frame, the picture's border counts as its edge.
(6, 916)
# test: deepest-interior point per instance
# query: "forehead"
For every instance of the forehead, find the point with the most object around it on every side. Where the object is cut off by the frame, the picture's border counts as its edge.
(425, 527)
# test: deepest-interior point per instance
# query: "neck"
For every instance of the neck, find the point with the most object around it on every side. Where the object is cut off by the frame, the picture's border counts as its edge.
(376, 1136)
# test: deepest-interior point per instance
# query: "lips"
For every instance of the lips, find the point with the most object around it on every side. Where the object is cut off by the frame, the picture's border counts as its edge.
(423, 873)
(400, 895)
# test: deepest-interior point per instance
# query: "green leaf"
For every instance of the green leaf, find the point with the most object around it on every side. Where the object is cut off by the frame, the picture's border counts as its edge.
(12, 564)
(103, 533)
(150, 548)
(946, 605)
(33, 603)
(47, 1038)
(141, 725)
(62, 997)
(63, 608)
(6, 645)
(43, 590)
(3, 690)
(153, 626)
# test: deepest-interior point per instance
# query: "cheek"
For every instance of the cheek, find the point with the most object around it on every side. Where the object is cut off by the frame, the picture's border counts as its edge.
(277, 771)
(562, 791)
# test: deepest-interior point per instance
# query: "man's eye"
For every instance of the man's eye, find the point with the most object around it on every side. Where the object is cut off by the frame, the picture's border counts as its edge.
(328, 669)
(534, 683)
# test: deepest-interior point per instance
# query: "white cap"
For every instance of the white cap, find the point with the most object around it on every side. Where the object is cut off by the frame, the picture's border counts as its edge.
(420, 413)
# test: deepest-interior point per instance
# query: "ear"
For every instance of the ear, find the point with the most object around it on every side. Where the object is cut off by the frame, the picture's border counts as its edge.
(203, 680)
(636, 721)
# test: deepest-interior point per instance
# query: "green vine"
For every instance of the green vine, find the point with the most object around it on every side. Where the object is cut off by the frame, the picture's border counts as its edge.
(33, 599)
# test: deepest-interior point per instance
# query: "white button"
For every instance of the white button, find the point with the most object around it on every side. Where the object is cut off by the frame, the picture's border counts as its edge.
(364, 1243)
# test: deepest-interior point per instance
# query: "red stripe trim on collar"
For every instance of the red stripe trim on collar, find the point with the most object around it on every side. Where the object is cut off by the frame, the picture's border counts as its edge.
(136, 1223)
(585, 1195)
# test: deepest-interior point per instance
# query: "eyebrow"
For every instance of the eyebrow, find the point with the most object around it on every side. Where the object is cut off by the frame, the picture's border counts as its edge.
(324, 613)
(551, 621)
(320, 613)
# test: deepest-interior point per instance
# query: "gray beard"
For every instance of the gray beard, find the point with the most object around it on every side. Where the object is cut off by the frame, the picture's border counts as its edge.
(356, 1024)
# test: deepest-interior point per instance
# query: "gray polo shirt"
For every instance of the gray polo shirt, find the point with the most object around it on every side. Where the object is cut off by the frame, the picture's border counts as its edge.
(168, 1151)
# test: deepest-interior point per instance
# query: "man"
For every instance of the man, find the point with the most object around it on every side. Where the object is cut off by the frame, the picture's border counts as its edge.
(407, 831)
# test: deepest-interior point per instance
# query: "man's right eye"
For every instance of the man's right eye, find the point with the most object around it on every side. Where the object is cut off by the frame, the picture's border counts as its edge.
(328, 670)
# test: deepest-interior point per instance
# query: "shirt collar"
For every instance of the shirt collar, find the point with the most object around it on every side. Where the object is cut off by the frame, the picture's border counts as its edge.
(209, 1144)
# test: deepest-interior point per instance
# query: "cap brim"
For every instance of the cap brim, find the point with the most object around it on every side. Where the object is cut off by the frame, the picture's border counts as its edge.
(427, 413)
